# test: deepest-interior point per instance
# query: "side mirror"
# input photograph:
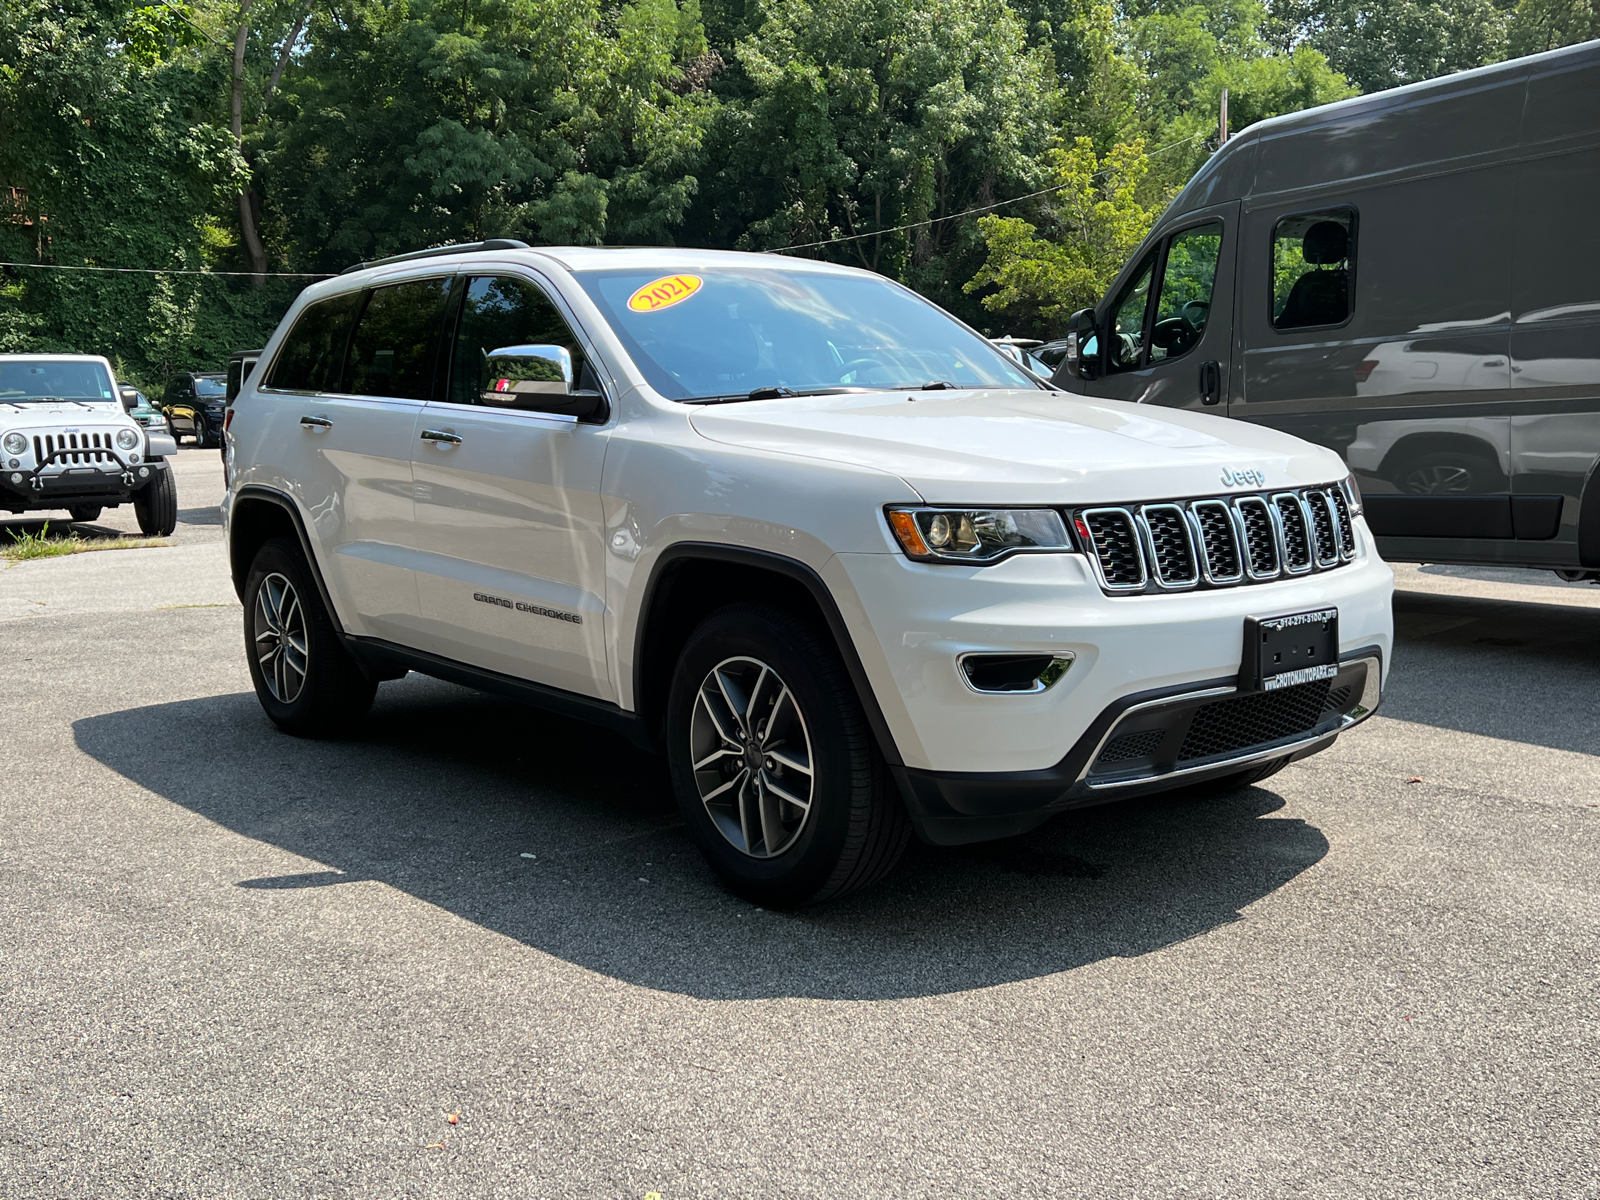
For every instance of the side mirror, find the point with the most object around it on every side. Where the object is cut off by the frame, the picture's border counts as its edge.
(1083, 346)
(130, 400)
(536, 379)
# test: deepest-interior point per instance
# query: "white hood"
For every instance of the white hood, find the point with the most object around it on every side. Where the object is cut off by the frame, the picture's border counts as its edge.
(54, 414)
(1027, 447)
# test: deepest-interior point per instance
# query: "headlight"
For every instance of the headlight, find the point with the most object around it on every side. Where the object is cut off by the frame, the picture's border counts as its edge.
(127, 438)
(1352, 495)
(976, 535)
(15, 443)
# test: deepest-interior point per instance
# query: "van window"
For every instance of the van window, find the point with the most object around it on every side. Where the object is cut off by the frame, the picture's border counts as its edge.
(1184, 304)
(506, 311)
(313, 354)
(1313, 268)
(395, 346)
(1125, 345)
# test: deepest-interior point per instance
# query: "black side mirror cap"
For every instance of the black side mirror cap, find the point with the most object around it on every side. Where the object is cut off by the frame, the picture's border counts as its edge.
(1082, 360)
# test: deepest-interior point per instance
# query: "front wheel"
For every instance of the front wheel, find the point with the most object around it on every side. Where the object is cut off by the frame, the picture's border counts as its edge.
(774, 767)
(155, 506)
(305, 679)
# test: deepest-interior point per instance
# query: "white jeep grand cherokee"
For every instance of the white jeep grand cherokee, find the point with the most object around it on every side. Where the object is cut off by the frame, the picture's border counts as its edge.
(67, 441)
(855, 572)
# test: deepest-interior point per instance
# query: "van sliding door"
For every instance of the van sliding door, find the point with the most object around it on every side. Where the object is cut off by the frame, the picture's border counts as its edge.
(1375, 321)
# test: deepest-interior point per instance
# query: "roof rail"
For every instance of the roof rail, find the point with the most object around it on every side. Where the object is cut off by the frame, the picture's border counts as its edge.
(461, 248)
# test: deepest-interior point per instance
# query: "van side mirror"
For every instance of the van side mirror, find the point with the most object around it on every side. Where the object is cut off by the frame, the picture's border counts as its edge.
(1083, 346)
(536, 379)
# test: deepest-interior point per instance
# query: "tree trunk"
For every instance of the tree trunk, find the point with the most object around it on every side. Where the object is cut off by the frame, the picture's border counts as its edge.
(247, 216)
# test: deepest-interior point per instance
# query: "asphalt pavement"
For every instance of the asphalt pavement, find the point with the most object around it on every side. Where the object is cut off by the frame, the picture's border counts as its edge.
(233, 964)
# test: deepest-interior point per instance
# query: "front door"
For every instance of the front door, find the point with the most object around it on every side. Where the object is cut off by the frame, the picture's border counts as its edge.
(1170, 326)
(509, 526)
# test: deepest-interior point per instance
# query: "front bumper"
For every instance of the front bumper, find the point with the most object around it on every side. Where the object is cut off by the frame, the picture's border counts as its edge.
(1149, 742)
(52, 485)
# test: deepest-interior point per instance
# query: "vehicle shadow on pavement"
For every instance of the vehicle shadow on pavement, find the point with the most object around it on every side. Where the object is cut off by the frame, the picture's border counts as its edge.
(446, 791)
(1490, 666)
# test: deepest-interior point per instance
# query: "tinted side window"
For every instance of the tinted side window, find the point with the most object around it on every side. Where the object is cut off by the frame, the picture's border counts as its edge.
(1184, 304)
(313, 353)
(504, 311)
(1126, 340)
(1313, 269)
(396, 344)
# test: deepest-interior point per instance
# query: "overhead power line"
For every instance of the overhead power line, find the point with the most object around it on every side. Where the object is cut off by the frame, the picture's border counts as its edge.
(172, 271)
(856, 237)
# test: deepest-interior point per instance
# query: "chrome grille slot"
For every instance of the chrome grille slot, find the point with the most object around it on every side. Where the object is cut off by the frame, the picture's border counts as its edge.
(1347, 533)
(1325, 526)
(1297, 555)
(1171, 548)
(1115, 541)
(1219, 541)
(1260, 537)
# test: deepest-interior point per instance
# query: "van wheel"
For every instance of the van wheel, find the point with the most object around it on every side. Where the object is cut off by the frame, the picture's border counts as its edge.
(305, 679)
(1451, 473)
(85, 513)
(155, 506)
(775, 770)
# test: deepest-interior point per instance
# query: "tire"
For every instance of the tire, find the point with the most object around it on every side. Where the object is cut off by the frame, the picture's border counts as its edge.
(305, 679)
(155, 506)
(740, 806)
(85, 513)
(201, 437)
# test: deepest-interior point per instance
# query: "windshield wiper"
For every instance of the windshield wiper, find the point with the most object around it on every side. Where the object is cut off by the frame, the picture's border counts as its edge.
(775, 392)
(939, 385)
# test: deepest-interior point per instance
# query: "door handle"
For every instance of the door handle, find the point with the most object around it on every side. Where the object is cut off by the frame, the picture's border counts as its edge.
(315, 423)
(1210, 382)
(439, 435)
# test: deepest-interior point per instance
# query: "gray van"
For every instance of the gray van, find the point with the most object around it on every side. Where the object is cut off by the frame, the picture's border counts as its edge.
(1411, 278)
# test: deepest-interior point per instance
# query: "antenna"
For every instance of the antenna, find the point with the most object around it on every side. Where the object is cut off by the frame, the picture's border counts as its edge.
(1222, 121)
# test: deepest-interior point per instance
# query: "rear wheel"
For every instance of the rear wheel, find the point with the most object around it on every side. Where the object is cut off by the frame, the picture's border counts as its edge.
(305, 679)
(774, 767)
(155, 506)
(85, 512)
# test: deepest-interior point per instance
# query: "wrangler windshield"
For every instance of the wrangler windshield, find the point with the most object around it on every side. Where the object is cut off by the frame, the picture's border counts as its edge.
(719, 333)
(23, 381)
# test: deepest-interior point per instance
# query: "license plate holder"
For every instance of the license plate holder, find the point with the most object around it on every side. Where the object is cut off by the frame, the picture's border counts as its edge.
(1285, 650)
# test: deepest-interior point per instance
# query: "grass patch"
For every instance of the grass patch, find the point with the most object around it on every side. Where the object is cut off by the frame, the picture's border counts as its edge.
(23, 546)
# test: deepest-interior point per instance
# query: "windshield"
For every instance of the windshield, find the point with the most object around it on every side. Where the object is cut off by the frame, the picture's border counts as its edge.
(209, 387)
(24, 381)
(725, 333)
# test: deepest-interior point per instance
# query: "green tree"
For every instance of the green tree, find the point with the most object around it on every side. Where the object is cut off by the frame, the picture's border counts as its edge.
(1539, 25)
(1096, 221)
(1380, 44)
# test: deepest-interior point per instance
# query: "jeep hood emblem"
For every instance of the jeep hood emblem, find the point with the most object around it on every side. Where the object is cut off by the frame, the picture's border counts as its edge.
(1232, 478)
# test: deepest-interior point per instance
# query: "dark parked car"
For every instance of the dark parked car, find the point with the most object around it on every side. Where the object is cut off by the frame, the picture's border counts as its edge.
(1410, 278)
(194, 403)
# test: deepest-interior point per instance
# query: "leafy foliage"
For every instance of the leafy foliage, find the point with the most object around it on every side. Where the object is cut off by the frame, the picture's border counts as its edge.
(1001, 156)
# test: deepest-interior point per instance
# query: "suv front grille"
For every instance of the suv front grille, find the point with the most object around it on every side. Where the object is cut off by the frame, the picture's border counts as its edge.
(1244, 722)
(1217, 541)
(75, 449)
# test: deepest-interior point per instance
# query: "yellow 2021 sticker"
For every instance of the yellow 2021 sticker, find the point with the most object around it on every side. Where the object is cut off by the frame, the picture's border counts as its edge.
(664, 293)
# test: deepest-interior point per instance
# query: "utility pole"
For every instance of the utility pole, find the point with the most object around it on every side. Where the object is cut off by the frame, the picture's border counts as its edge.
(1222, 121)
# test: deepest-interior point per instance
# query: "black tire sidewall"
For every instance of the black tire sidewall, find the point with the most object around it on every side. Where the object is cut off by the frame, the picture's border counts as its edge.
(155, 506)
(316, 710)
(840, 754)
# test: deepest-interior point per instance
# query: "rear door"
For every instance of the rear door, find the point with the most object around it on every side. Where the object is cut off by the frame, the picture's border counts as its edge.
(352, 379)
(1170, 326)
(509, 524)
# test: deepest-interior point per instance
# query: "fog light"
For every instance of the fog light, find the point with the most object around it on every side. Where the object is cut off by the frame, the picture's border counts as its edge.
(15, 464)
(1025, 673)
(16, 477)
(144, 472)
(133, 458)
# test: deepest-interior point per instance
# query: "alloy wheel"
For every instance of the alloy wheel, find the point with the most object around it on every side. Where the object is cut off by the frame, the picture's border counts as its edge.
(751, 757)
(1432, 481)
(280, 638)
